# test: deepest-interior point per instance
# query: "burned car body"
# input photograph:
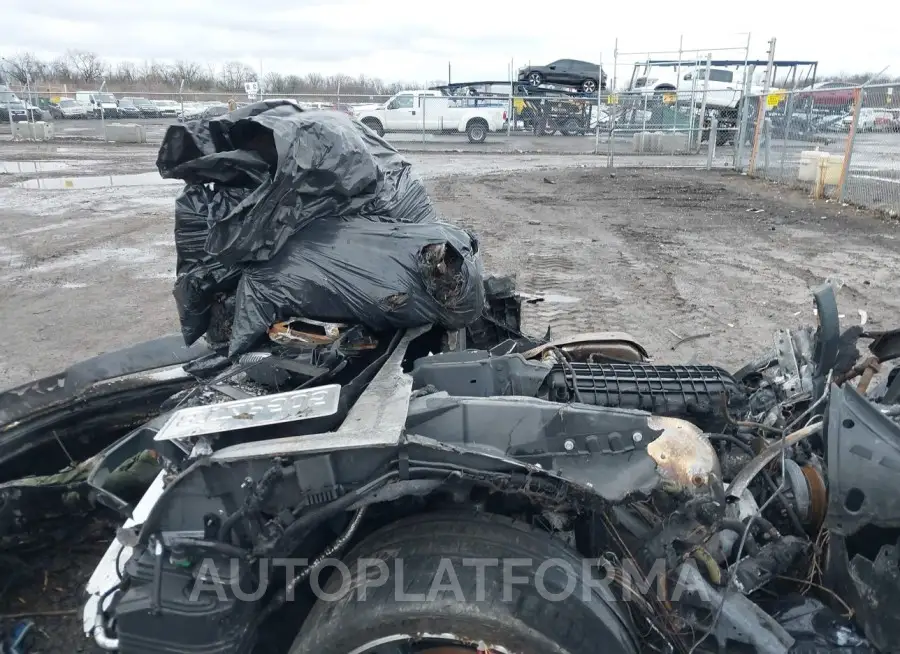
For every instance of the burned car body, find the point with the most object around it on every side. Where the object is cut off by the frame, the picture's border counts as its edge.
(361, 477)
(404, 442)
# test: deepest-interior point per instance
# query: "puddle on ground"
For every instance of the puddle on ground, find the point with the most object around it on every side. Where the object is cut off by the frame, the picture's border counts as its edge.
(550, 297)
(99, 181)
(31, 167)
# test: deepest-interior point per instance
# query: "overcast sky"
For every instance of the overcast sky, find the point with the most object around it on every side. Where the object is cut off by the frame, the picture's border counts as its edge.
(413, 40)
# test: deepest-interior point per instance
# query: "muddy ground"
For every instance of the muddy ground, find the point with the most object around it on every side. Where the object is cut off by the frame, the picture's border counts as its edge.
(659, 253)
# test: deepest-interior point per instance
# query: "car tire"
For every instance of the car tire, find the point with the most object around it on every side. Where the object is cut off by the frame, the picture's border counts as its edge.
(481, 606)
(375, 125)
(477, 130)
(535, 79)
(590, 86)
(570, 127)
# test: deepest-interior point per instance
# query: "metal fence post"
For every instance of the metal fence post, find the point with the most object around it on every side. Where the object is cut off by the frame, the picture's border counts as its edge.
(512, 98)
(789, 117)
(599, 95)
(711, 151)
(741, 134)
(102, 112)
(848, 148)
(702, 104)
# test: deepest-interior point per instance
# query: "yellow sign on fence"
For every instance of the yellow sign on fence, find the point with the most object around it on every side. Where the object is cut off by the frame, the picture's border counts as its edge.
(774, 99)
(612, 99)
(670, 98)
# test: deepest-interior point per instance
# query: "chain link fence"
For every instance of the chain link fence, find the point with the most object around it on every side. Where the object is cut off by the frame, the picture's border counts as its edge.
(840, 143)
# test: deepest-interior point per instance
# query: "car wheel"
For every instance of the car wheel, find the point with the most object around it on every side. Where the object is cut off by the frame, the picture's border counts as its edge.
(375, 125)
(477, 130)
(521, 591)
(535, 79)
(570, 127)
(589, 86)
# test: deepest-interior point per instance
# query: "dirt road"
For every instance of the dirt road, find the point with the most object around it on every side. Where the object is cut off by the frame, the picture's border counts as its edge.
(658, 250)
(651, 252)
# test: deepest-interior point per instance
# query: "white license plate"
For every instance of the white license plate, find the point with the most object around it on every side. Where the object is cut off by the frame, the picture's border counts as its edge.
(304, 404)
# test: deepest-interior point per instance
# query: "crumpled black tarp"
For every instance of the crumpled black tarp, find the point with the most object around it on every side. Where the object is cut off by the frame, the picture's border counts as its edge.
(199, 275)
(264, 183)
(382, 275)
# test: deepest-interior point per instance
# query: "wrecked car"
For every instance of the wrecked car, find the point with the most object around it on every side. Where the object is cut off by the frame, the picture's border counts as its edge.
(392, 465)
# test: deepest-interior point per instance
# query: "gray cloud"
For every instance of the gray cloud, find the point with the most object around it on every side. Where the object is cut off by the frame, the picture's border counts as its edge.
(414, 39)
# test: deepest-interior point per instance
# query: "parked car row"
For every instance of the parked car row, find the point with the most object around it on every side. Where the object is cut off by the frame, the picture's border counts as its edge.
(874, 120)
(201, 110)
(14, 109)
(91, 104)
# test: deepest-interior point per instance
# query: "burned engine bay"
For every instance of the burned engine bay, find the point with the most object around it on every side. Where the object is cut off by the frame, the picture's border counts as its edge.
(348, 367)
(767, 493)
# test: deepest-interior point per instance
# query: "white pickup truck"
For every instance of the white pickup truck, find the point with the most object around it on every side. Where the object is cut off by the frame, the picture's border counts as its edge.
(431, 111)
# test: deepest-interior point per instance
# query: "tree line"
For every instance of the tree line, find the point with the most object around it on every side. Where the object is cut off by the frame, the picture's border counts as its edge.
(82, 67)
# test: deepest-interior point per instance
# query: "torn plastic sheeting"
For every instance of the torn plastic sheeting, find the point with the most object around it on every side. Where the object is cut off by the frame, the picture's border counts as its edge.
(321, 165)
(382, 275)
(200, 276)
(328, 167)
(184, 144)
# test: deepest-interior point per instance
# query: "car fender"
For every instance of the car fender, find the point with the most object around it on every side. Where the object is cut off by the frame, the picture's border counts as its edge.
(26, 410)
(377, 114)
(493, 119)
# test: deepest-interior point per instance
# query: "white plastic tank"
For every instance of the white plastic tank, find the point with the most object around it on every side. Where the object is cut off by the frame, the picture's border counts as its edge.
(832, 169)
(810, 161)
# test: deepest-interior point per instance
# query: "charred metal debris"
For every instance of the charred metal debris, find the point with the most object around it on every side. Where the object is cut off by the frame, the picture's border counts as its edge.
(345, 367)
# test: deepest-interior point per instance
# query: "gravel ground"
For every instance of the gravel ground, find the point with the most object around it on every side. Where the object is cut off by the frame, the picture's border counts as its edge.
(647, 251)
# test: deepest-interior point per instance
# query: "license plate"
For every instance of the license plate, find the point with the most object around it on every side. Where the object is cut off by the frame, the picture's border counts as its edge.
(303, 404)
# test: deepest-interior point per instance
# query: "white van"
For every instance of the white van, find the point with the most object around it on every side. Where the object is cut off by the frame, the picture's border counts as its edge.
(94, 102)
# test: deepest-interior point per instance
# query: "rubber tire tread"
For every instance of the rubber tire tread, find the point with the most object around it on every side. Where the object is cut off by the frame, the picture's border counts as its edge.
(528, 625)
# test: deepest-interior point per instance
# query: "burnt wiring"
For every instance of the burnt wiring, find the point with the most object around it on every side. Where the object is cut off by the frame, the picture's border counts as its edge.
(848, 611)
(782, 448)
(256, 497)
(773, 487)
(337, 546)
(658, 612)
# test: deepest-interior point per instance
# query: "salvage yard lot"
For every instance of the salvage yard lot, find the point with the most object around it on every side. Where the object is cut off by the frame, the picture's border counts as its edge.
(653, 251)
(660, 253)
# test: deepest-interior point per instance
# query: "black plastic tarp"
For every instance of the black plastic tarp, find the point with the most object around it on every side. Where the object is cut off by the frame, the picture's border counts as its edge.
(379, 274)
(309, 214)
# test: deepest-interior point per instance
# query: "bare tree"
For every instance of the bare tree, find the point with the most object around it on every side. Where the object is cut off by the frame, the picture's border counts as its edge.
(234, 74)
(60, 70)
(84, 66)
(26, 66)
(190, 72)
(126, 73)
(275, 83)
(87, 66)
(293, 84)
(314, 82)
